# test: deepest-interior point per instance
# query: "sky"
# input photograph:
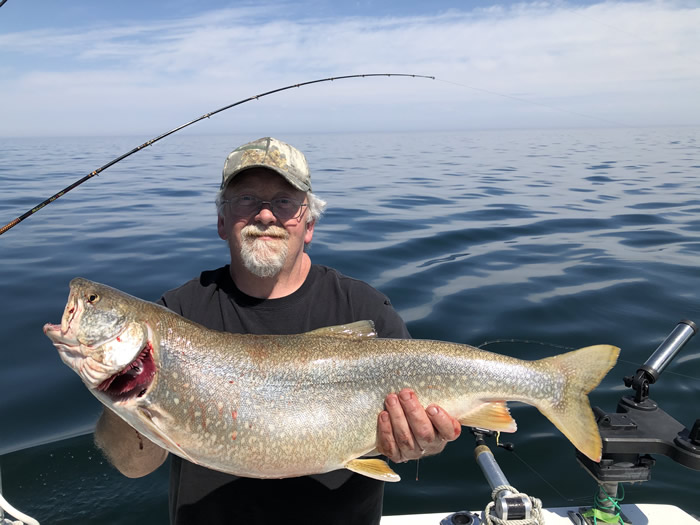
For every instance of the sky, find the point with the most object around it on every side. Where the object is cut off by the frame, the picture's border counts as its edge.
(85, 67)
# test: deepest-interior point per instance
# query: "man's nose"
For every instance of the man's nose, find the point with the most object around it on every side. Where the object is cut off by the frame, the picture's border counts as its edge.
(265, 214)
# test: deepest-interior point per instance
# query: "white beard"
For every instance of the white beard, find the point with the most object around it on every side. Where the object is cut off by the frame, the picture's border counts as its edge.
(264, 258)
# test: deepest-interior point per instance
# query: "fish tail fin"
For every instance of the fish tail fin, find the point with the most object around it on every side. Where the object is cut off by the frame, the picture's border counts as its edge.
(571, 413)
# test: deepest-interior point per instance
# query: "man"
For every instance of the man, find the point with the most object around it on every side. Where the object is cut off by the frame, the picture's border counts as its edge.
(267, 215)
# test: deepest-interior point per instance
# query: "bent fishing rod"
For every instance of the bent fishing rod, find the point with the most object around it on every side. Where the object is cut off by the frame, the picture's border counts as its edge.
(112, 162)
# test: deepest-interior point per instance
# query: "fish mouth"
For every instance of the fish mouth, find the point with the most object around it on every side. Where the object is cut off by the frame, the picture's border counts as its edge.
(65, 342)
(63, 333)
(134, 380)
(57, 335)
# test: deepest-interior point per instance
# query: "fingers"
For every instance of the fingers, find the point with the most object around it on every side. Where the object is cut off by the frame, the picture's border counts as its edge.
(405, 430)
(402, 412)
(394, 436)
(386, 444)
(417, 434)
(447, 427)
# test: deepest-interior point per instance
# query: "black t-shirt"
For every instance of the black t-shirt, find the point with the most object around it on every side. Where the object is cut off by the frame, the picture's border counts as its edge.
(199, 495)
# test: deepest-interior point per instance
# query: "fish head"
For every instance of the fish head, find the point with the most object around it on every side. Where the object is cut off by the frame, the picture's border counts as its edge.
(102, 338)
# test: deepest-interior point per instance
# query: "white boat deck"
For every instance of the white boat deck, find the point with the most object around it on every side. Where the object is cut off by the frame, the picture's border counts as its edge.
(638, 514)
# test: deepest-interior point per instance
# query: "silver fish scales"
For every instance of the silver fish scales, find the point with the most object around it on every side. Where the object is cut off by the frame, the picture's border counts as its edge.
(280, 406)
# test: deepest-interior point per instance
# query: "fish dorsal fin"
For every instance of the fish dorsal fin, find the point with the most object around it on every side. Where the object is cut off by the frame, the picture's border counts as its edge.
(491, 415)
(356, 330)
(373, 468)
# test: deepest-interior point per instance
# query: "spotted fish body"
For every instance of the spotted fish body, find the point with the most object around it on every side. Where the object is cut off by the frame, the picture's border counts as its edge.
(280, 406)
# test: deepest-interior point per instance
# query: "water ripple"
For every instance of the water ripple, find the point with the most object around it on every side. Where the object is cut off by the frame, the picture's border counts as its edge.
(559, 237)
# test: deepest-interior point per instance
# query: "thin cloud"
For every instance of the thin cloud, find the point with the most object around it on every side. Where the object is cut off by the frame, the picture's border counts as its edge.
(632, 63)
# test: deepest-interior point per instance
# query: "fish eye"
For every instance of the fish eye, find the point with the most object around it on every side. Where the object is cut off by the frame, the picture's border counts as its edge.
(93, 298)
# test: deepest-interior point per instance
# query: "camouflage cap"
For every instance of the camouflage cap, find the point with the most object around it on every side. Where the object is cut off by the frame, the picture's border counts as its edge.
(272, 154)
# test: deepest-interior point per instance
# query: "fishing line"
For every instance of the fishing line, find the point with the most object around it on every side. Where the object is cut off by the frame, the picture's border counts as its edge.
(77, 183)
(542, 104)
(563, 347)
(534, 471)
(526, 341)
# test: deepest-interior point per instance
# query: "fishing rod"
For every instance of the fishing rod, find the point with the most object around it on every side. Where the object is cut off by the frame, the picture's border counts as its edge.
(99, 170)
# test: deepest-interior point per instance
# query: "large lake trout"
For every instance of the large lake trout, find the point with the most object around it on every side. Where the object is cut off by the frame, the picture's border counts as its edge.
(268, 406)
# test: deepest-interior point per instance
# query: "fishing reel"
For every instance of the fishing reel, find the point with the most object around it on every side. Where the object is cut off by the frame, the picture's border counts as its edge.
(639, 427)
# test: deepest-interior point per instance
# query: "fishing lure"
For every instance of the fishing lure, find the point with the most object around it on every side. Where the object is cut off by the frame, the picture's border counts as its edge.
(206, 115)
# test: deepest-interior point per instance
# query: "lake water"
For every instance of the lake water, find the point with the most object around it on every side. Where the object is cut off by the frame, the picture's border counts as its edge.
(556, 239)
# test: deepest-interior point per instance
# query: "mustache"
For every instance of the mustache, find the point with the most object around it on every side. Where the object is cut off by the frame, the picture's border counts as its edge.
(253, 231)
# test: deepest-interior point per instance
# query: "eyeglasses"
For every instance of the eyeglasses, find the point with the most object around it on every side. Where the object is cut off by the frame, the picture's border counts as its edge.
(283, 208)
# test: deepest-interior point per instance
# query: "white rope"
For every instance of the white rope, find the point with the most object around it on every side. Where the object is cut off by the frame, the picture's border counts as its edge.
(4, 505)
(537, 518)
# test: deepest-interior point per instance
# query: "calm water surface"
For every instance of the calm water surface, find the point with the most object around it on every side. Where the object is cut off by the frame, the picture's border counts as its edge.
(557, 239)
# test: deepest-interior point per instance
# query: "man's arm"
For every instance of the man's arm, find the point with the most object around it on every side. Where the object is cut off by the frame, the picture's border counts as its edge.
(406, 430)
(131, 453)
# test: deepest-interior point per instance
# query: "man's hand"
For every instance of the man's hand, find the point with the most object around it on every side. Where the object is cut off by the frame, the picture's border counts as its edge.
(406, 430)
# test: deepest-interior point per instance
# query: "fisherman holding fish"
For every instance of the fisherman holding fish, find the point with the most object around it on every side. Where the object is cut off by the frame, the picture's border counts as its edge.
(265, 377)
(267, 214)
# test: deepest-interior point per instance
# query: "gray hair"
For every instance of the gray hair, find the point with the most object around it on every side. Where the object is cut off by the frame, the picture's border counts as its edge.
(316, 205)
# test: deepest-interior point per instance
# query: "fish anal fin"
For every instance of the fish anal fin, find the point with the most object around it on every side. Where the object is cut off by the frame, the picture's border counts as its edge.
(373, 468)
(491, 415)
(356, 330)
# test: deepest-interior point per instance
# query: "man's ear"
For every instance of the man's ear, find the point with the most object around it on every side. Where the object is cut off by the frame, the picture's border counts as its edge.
(309, 231)
(221, 228)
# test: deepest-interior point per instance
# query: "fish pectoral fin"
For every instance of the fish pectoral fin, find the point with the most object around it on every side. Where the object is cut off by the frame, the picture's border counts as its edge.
(491, 415)
(356, 330)
(373, 468)
(147, 419)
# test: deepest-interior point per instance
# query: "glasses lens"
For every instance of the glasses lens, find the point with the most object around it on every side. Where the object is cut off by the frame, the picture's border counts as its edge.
(283, 208)
(245, 205)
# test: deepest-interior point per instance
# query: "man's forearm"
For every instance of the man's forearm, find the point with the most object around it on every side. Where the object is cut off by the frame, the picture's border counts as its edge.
(130, 452)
